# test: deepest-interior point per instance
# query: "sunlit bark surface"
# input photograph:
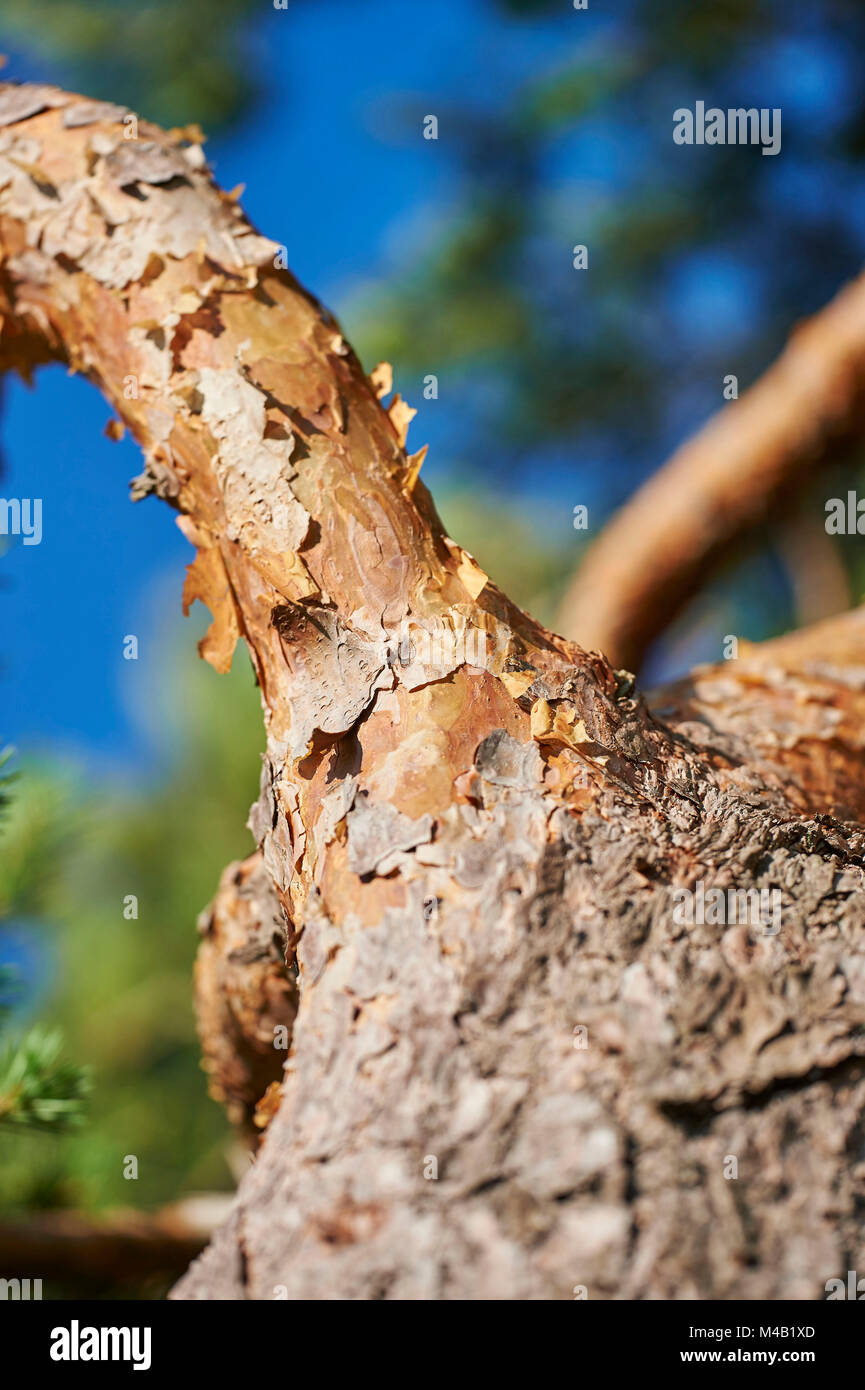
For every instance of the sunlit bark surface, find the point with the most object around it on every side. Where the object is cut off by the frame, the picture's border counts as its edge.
(514, 1071)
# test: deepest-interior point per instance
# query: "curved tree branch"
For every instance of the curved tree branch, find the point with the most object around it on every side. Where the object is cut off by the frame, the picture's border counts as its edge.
(727, 481)
(513, 1071)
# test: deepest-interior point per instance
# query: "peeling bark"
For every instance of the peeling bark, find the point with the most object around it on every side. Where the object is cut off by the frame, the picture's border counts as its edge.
(475, 831)
(245, 999)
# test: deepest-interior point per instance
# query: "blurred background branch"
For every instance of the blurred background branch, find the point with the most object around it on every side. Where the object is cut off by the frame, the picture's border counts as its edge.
(106, 1255)
(742, 472)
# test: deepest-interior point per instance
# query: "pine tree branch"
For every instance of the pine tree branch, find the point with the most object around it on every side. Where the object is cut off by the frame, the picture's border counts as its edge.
(733, 477)
(478, 845)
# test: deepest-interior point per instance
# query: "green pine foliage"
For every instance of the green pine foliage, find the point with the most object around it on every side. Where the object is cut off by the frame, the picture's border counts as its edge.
(75, 849)
(38, 1089)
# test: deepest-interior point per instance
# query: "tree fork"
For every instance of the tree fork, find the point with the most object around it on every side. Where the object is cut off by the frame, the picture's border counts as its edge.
(513, 1073)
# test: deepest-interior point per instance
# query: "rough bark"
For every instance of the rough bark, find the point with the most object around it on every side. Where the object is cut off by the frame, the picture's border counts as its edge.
(473, 828)
(737, 475)
(245, 998)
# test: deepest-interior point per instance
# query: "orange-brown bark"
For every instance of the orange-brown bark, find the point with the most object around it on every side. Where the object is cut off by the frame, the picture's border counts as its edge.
(245, 998)
(475, 831)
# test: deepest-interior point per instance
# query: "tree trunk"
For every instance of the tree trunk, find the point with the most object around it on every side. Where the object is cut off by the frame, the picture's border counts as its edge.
(517, 1070)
